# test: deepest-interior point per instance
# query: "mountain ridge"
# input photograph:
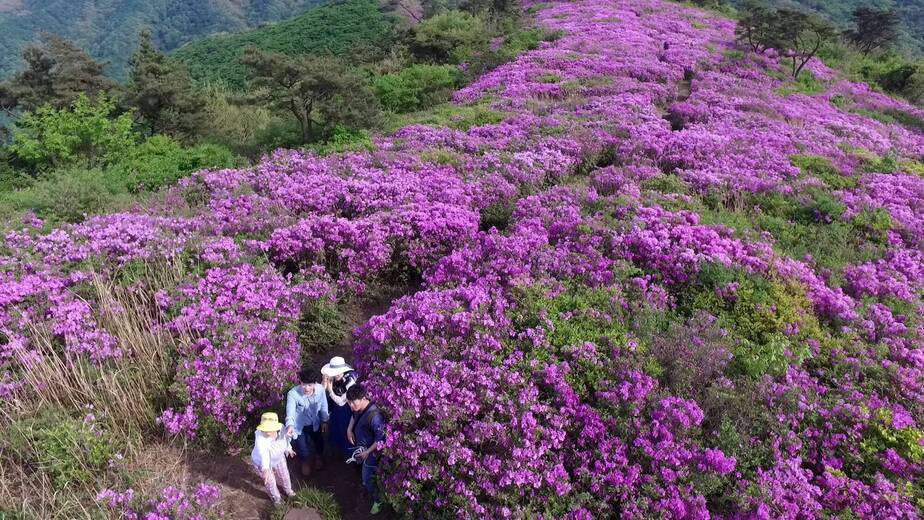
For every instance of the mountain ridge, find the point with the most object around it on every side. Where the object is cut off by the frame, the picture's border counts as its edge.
(109, 29)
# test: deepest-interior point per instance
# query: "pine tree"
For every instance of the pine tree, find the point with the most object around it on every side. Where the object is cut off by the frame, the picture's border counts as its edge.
(57, 72)
(319, 92)
(874, 28)
(162, 94)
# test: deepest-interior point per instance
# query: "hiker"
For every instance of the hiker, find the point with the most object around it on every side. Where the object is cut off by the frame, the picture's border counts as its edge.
(338, 378)
(369, 433)
(269, 457)
(307, 420)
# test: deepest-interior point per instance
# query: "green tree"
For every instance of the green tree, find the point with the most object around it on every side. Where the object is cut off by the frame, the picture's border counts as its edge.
(800, 35)
(451, 37)
(797, 35)
(86, 133)
(319, 92)
(875, 28)
(756, 26)
(56, 73)
(162, 94)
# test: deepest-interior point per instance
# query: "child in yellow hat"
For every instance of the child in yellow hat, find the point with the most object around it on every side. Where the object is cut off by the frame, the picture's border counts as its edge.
(269, 457)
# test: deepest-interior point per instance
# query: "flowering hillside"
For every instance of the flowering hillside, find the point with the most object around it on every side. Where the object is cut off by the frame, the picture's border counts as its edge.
(669, 283)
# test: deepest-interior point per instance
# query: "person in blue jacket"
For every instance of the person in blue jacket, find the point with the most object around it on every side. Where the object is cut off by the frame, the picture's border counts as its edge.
(369, 432)
(307, 420)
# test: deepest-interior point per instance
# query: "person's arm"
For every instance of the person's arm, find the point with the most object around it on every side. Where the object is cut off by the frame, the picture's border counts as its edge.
(350, 437)
(290, 412)
(339, 399)
(378, 432)
(377, 424)
(265, 458)
(323, 412)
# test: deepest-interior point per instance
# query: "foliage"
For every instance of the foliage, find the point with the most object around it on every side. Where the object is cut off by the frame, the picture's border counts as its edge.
(161, 161)
(874, 29)
(450, 115)
(907, 441)
(68, 195)
(318, 92)
(345, 139)
(321, 501)
(85, 133)
(888, 70)
(161, 94)
(758, 312)
(57, 72)
(822, 168)
(797, 35)
(353, 30)
(450, 37)
(245, 128)
(416, 87)
(320, 327)
(72, 451)
(806, 83)
(109, 31)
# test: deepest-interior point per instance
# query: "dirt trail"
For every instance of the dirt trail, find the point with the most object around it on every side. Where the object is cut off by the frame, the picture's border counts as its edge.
(243, 492)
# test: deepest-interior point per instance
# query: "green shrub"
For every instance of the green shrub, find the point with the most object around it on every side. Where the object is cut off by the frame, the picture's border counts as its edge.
(72, 452)
(449, 115)
(323, 502)
(161, 161)
(824, 169)
(578, 315)
(806, 83)
(881, 435)
(450, 37)
(906, 119)
(758, 314)
(320, 327)
(666, 184)
(418, 86)
(86, 133)
(12, 178)
(874, 224)
(497, 215)
(68, 195)
(345, 139)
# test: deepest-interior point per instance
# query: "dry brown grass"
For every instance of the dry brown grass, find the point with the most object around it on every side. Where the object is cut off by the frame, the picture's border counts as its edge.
(125, 391)
(126, 395)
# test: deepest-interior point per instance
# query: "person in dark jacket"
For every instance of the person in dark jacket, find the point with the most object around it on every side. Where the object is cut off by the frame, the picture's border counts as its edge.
(368, 431)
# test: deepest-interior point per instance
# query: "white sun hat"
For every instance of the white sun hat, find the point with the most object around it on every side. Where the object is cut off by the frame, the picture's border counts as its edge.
(337, 366)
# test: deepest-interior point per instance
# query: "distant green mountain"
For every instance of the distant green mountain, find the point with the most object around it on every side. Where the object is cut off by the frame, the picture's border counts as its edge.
(348, 27)
(108, 29)
(911, 11)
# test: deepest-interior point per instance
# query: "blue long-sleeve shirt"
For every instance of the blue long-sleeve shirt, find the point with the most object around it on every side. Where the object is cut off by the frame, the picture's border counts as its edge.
(306, 410)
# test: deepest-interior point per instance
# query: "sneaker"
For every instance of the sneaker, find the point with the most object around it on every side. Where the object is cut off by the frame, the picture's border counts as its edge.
(376, 508)
(289, 493)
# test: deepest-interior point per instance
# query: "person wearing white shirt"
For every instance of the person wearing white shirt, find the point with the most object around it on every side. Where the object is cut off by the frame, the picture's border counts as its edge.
(338, 378)
(269, 457)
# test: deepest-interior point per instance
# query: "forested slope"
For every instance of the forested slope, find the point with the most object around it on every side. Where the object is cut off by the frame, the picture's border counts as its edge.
(109, 29)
